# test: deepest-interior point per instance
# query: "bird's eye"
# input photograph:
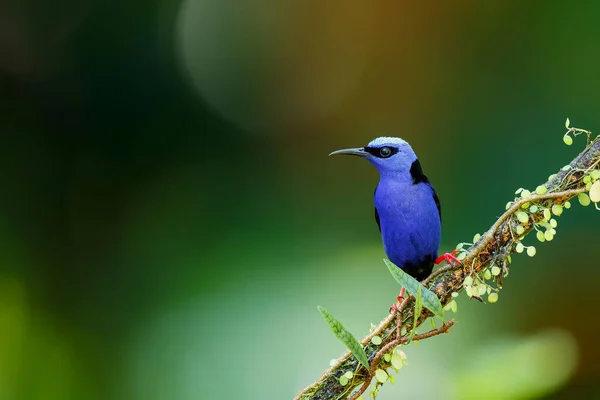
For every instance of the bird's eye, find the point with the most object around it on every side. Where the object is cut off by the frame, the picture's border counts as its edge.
(385, 152)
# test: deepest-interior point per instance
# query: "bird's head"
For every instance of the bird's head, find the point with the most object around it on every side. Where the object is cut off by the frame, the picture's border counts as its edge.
(390, 155)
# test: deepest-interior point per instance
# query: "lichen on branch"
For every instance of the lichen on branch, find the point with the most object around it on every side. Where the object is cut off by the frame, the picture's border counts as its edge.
(484, 264)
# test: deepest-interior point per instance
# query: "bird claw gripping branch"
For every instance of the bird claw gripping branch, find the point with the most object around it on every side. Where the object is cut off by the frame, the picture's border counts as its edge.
(448, 257)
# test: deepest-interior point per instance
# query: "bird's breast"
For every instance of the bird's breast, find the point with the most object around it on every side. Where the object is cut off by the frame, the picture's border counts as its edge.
(409, 221)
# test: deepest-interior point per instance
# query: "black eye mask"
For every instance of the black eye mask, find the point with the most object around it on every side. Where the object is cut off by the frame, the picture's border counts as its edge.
(376, 151)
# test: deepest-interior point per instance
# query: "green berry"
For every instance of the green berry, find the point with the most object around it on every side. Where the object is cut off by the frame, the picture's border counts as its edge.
(531, 251)
(548, 235)
(349, 374)
(343, 380)
(553, 223)
(376, 340)
(587, 179)
(533, 209)
(492, 298)
(567, 205)
(541, 189)
(468, 281)
(520, 230)
(568, 140)
(496, 270)
(525, 193)
(487, 274)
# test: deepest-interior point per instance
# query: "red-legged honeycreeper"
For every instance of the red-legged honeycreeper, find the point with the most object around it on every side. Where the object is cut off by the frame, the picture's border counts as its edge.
(407, 209)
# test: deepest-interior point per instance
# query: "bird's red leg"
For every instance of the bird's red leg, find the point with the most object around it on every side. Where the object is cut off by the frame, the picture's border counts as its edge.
(399, 299)
(400, 296)
(448, 257)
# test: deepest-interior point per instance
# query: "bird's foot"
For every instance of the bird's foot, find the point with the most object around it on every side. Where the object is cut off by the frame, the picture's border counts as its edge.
(399, 300)
(395, 306)
(448, 257)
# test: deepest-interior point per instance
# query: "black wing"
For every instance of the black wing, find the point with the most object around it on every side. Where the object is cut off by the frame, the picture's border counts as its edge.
(377, 213)
(437, 202)
(419, 177)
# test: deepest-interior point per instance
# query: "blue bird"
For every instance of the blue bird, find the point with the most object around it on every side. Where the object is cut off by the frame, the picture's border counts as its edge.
(407, 209)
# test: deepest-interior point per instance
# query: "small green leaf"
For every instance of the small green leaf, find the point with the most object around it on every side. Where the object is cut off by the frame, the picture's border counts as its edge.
(522, 216)
(418, 309)
(567, 123)
(376, 340)
(397, 361)
(595, 192)
(584, 199)
(557, 209)
(540, 236)
(519, 247)
(345, 336)
(430, 300)
(381, 375)
(547, 214)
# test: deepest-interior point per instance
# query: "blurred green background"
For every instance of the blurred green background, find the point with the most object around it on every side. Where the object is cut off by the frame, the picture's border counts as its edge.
(169, 218)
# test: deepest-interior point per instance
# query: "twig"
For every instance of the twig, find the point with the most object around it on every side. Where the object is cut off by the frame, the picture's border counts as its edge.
(396, 342)
(493, 248)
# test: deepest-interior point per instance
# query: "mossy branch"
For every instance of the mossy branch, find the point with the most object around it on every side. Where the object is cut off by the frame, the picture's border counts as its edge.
(490, 252)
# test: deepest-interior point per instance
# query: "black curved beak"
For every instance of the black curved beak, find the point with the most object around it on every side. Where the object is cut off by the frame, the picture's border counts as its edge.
(359, 151)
